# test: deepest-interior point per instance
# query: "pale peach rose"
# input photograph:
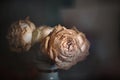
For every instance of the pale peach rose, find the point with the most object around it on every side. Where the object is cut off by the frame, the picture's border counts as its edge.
(65, 47)
(20, 35)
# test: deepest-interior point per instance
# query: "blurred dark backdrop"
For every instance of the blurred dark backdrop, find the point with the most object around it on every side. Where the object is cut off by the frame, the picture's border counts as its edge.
(98, 19)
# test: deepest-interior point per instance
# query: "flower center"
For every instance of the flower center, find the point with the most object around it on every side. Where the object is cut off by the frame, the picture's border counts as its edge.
(69, 44)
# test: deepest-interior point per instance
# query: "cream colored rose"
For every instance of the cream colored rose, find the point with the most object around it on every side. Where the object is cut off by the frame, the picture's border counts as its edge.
(40, 33)
(65, 47)
(20, 35)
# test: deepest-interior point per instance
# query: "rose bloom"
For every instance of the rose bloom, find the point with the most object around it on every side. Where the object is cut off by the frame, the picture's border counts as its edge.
(40, 33)
(20, 35)
(65, 47)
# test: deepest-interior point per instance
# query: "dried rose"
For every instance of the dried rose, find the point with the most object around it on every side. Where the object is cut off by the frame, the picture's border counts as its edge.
(40, 33)
(20, 35)
(65, 47)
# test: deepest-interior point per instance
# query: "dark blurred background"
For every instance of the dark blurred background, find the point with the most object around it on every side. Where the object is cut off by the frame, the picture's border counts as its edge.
(98, 19)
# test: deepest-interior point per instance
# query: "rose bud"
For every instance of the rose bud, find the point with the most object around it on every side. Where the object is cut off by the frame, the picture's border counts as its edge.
(40, 33)
(65, 47)
(20, 35)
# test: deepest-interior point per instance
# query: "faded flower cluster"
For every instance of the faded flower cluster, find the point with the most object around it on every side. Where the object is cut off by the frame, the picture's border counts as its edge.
(65, 47)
